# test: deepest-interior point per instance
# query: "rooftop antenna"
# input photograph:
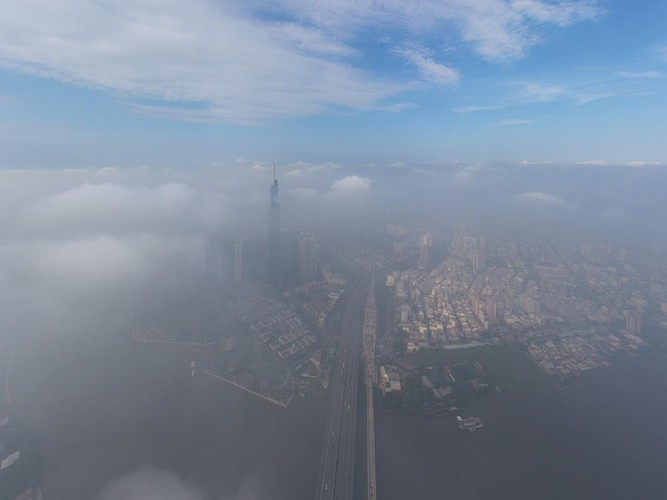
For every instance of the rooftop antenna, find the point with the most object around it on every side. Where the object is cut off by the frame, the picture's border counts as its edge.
(274, 172)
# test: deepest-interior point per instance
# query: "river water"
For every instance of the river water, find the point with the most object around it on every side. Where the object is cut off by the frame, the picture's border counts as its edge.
(602, 437)
(106, 409)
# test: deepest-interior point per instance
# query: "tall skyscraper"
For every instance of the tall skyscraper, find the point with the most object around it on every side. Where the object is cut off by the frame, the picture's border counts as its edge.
(275, 237)
(477, 260)
(633, 322)
(238, 262)
(426, 252)
(307, 258)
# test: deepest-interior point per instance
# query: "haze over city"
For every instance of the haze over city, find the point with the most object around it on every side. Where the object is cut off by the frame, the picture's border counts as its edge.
(335, 249)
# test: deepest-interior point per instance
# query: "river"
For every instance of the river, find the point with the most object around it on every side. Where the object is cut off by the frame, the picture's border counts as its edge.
(103, 409)
(602, 437)
(107, 409)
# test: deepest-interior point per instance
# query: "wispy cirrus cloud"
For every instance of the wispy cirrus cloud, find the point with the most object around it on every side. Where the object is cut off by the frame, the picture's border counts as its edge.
(474, 108)
(512, 122)
(497, 30)
(428, 67)
(530, 93)
(640, 75)
(221, 64)
(504, 31)
(248, 62)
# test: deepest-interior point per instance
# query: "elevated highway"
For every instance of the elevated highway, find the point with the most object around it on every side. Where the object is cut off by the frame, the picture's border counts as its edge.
(335, 480)
(369, 336)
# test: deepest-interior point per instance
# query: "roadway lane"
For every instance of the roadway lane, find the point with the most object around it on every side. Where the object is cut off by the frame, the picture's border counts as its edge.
(335, 479)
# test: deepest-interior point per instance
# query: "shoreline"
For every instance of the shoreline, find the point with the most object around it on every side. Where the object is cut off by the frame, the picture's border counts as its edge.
(263, 396)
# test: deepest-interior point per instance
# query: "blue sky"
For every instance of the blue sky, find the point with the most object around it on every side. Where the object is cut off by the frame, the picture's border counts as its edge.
(190, 83)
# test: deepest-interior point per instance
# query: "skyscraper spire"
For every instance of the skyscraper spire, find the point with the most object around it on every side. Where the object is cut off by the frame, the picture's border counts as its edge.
(275, 236)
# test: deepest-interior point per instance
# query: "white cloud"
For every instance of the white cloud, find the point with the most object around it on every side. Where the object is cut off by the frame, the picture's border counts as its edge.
(83, 286)
(511, 122)
(74, 254)
(428, 68)
(293, 173)
(473, 108)
(302, 168)
(642, 163)
(258, 167)
(533, 162)
(463, 177)
(504, 31)
(640, 75)
(539, 92)
(199, 60)
(594, 163)
(351, 185)
(113, 207)
(541, 199)
(466, 176)
(149, 483)
(234, 61)
(523, 93)
(585, 98)
(498, 30)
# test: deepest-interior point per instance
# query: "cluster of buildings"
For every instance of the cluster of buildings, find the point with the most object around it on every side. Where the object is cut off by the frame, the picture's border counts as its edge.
(389, 379)
(275, 324)
(281, 258)
(316, 299)
(278, 257)
(275, 294)
(494, 286)
(570, 354)
(435, 389)
(434, 308)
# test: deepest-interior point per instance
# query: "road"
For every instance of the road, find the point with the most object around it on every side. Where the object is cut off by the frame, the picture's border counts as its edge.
(369, 336)
(335, 480)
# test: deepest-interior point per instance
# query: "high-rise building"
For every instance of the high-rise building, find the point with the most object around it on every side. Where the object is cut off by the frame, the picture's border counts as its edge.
(275, 237)
(250, 259)
(477, 260)
(426, 252)
(238, 262)
(215, 266)
(307, 258)
(633, 322)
